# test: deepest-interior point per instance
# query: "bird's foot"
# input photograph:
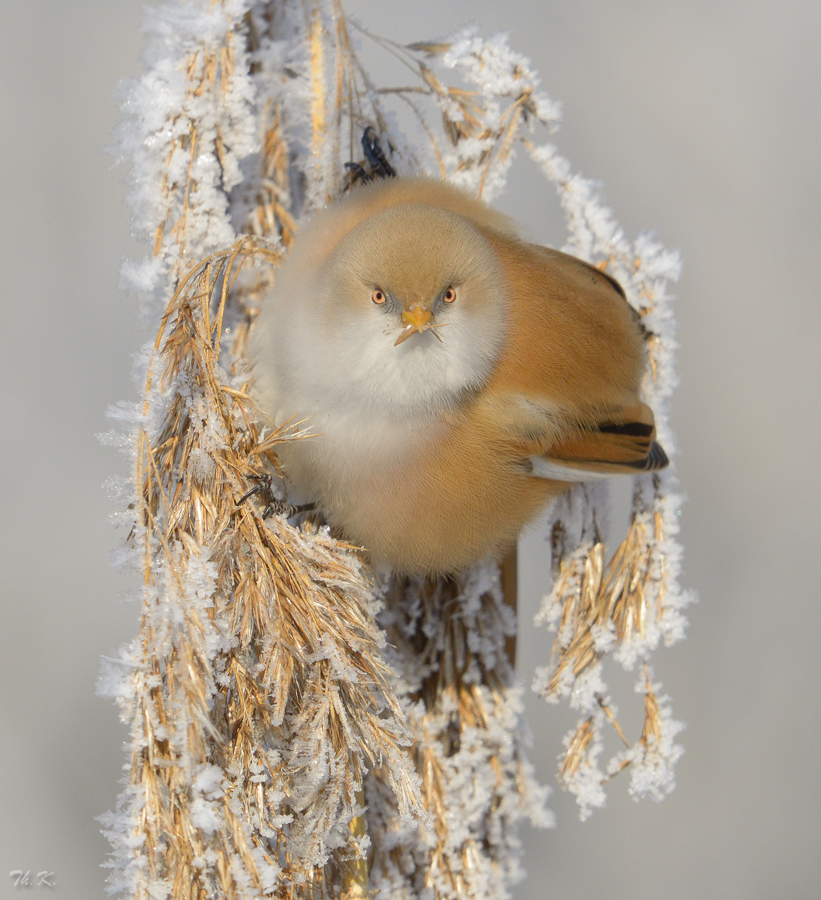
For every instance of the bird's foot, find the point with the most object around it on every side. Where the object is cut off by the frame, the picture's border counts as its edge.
(264, 488)
(375, 165)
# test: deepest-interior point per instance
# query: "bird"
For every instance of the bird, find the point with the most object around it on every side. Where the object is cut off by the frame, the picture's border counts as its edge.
(449, 378)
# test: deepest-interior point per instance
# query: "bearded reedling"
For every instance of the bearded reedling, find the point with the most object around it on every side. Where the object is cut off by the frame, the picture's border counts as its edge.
(453, 377)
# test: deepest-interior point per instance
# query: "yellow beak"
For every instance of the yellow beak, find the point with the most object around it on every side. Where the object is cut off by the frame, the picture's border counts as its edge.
(416, 320)
(419, 317)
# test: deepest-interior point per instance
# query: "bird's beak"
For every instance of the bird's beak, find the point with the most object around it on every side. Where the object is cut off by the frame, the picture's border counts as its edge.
(416, 321)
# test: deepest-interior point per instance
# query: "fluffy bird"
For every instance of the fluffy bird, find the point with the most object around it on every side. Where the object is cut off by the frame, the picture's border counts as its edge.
(453, 377)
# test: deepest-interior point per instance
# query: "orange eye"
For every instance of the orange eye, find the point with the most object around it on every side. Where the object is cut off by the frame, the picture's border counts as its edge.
(378, 296)
(449, 296)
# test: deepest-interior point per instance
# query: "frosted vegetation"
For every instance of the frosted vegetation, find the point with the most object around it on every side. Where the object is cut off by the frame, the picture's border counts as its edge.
(297, 728)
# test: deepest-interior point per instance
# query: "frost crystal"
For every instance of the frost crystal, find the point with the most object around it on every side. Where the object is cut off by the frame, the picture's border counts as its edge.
(299, 726)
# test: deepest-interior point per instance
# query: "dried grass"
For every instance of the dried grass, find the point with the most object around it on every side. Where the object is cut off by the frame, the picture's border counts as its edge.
(277, 666)
(263, 701)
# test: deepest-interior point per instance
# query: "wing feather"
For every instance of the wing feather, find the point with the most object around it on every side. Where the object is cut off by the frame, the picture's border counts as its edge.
(611, 448)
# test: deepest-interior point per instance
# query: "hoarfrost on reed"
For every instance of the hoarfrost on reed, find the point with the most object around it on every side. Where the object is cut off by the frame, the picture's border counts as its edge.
(279, 746)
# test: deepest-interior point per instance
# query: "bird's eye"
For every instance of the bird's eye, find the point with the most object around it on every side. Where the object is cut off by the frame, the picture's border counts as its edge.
(378, 296)
(449, 296)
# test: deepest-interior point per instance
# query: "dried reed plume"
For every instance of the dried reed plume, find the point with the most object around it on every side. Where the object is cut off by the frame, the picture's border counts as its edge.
(279, 745)
(259, 696)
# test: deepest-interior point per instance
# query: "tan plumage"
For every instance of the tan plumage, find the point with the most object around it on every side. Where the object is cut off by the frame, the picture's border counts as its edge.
(454, 377)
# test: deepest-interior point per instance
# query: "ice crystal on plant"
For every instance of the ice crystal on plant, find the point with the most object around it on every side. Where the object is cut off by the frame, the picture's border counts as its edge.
(279, 744)
(188, 125)
(465, 712)
(625, 608)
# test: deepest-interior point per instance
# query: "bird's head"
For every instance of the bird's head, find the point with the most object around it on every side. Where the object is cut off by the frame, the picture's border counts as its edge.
(411, 309)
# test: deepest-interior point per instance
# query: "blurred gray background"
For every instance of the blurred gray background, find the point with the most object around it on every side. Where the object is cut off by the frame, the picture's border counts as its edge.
(702, 120)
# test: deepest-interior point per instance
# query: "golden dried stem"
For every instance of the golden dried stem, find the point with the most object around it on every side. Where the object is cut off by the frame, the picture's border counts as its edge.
(355, 879)
(317, 69)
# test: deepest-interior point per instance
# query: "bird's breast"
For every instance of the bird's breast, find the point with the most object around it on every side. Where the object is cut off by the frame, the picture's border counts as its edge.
(352, 455)
(426, 494)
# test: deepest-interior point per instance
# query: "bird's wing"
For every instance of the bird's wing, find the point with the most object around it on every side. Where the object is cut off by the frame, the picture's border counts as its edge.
(565, 391)
(624, 444)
